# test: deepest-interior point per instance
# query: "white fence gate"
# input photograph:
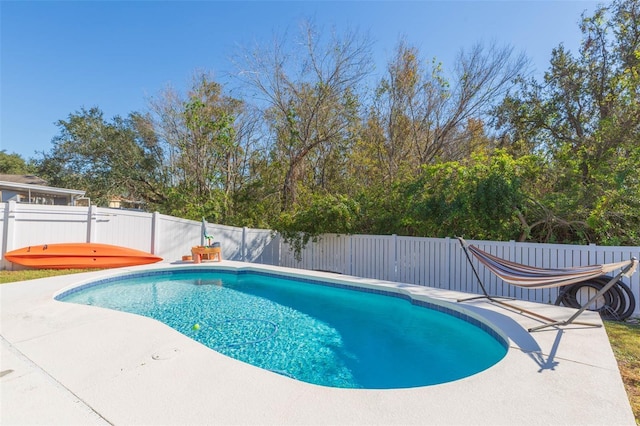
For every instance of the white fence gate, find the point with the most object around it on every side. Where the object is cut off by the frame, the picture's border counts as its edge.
(433, 262)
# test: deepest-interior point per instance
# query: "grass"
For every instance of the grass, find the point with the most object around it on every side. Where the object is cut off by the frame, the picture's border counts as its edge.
(625, 341)
(32, 274)
(624, 336)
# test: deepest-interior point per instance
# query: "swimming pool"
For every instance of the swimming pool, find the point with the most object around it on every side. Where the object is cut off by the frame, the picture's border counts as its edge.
(315, 331)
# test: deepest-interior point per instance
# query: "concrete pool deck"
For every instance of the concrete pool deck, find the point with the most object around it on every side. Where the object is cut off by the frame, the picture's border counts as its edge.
(66, 364)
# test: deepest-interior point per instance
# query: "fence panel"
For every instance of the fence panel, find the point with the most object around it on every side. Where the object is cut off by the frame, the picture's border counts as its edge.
(261, 246)
(411, 254)
(287, 256)
(333, 253)
(422, 261)
(174, 237)
(124, 228)
(230, 239)
(36, 224)
(373, 256)
(289, 259)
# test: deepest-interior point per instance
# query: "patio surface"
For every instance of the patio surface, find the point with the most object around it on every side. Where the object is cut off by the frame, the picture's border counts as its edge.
(67, 364)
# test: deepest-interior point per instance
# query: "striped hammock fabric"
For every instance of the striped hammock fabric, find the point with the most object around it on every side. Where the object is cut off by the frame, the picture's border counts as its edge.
(532, 277)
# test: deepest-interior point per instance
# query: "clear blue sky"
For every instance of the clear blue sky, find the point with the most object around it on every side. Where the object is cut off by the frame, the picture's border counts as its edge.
(57, 57)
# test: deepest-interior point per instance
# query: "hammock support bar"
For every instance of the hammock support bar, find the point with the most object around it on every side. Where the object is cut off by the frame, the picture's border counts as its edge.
(595, 297)
(626, 269)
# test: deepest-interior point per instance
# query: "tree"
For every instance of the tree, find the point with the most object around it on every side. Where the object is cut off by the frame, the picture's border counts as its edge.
(120, 159)
(207, 136)
(309, 100)
(484, 197)
(419, 116)
(13, 164)
(585, 117)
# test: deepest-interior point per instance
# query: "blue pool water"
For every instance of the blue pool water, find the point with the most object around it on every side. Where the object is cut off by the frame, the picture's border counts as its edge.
(314, 333)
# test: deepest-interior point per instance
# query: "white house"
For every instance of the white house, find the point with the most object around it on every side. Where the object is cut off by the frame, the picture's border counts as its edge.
(33, 190)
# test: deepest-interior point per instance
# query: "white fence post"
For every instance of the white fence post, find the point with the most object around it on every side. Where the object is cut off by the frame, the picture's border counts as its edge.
(350, 254)
(447, 262)
(243, 244)
(155, 230)
(92, 223)
(395, 257)
(9, 226)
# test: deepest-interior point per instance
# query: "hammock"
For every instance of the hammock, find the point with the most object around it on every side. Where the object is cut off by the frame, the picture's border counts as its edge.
(531, 277)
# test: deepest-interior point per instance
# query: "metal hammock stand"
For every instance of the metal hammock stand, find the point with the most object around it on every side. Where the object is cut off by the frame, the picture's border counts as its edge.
(521, 275)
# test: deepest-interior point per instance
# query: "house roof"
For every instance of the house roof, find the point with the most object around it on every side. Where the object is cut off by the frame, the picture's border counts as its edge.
(35, 185)
(26, 179)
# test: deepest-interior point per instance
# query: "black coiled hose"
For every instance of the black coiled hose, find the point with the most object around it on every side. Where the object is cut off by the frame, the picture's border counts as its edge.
(618, 303)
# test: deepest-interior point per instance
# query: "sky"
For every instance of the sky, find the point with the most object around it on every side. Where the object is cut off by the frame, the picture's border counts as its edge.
(57, 57)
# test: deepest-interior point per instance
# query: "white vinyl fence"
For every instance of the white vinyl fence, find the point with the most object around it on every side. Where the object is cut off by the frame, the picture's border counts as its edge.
(441, 262)
(433, 262)
(166, 236)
